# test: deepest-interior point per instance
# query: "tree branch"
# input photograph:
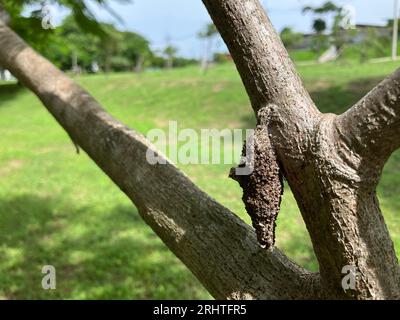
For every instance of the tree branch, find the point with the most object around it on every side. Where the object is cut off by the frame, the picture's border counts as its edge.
(267, 72)
(263, 62)
(337, 200)
(372, 126)
(219, 248)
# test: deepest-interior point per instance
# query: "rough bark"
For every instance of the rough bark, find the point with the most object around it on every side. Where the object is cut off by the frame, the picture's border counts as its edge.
(372, 126)
(326, 159)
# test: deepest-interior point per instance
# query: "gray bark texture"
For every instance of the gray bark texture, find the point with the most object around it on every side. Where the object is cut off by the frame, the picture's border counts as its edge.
(332, 164)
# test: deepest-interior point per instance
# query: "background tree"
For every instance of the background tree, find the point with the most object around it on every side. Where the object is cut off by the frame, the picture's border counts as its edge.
(30, 27)
(81, 29)
(69, 42)
(332, 163)
(80, 37)
(209, 33)
(169, 53)
(372, 45)
(319, 26)
(290, 38)
(338, 34)
(137, 50)
(320, 41)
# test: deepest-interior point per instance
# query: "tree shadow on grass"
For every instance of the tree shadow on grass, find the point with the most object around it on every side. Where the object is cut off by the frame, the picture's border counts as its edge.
(97, 255)
(8, 91)
(339, 98)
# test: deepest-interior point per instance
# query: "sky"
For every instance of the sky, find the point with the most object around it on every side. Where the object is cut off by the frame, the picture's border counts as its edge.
(178, 22)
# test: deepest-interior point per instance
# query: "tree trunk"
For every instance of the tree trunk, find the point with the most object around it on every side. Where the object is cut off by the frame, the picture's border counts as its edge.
(169, 63)
(332, 163)
(4, 16)
(332, 177)
(139, 64)
(205, 63)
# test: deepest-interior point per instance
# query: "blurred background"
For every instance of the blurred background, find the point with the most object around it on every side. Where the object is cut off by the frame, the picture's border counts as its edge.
(149, 62)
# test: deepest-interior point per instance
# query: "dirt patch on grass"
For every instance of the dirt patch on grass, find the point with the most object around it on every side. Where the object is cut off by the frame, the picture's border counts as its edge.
(169, 84)
(218, 87)
(50, 149)
(318, 85)
(11, 166)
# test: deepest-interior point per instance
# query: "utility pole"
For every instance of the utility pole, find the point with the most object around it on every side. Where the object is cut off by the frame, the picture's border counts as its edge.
(395, 29)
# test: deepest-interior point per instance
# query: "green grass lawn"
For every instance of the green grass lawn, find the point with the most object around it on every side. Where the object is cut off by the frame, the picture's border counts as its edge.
(58, 208)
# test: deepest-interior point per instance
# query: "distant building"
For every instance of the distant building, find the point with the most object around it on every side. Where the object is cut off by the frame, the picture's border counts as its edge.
(356, 35)
(362, 31)
(306, 42)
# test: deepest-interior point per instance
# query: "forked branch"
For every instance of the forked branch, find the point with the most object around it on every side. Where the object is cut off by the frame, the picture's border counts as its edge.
(372, 126)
